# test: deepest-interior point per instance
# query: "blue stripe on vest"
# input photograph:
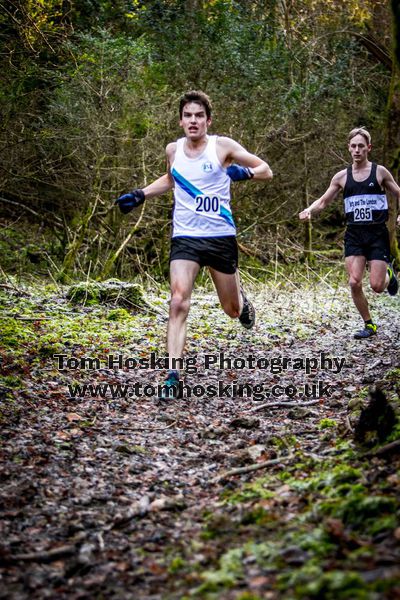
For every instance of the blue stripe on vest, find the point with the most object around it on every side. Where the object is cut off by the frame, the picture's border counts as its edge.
(186, 185)
(225, 214)
(193, 191)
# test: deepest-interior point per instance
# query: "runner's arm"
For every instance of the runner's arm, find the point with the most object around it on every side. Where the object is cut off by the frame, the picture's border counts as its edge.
(163, 184)
(158, 187)
(389, 184)
(331, 193)
(230, 151)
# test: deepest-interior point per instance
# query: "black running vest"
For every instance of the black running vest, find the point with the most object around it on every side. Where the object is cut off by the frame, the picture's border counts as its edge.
(365, 202)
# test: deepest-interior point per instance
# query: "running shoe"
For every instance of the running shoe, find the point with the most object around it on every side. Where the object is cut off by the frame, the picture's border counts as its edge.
(169, 390)
(393, 285)
(248, 315)
(369, 330)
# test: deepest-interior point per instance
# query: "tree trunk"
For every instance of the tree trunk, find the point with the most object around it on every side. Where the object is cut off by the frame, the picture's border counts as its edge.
(392, 152)
(392, 141)
(73, 248)
(307, 254)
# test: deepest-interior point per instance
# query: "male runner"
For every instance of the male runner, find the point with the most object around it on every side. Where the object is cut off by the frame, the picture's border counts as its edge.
(200, 171)
(367, 238)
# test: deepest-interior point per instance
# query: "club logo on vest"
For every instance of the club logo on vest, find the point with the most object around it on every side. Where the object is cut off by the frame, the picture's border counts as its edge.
(207, 167)
(371, 184)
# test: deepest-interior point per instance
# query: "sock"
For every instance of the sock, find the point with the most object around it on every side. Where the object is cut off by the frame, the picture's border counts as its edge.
(369, 322)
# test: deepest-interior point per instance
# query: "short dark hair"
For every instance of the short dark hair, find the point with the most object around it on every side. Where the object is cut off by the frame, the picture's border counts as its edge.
(198, 97)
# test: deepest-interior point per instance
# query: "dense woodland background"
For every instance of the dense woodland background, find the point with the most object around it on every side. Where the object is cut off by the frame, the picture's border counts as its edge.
(89, 93)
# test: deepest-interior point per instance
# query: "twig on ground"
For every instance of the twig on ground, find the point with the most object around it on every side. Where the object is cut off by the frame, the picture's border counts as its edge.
(26, 318)
(348, 424)
(283, 404)
(391, 447)
(43, 556)
(253, 467)
(148, 428)
(127, 428)
(144, 506)
(10, 282)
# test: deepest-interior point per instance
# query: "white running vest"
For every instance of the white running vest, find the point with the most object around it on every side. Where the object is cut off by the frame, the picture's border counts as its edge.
(202, 194)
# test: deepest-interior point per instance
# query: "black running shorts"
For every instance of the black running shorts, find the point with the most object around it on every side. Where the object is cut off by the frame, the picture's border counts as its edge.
(219, 253)
(371, 241)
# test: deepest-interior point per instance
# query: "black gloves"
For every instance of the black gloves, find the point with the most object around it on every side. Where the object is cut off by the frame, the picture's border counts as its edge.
(129, 201)
(239, 173)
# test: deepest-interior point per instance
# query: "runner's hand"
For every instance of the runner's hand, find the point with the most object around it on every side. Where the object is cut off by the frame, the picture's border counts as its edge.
(128, 202)
(239, 173)
(305, 215)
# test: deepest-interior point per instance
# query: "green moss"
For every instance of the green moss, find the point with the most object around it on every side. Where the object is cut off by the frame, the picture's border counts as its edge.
(58, 330)
(49, 345)
(11, 381)
(14, 332)
(177, 564)
(256, 490)
(326, 424)
(317, 541)
(386, 523)
(326, 480)
(395, 435)
(393, 375)
(284, 476)
(333, 585)
(359, 554)
(263, 552)
(299, 577)
(357, 509)
(344, 490)
(346, 448)
(112, 291)
(139, 450)
(258, 516)
(217, 525)
(229, 572)
(283, 442)
(118, 314)
(84, 293)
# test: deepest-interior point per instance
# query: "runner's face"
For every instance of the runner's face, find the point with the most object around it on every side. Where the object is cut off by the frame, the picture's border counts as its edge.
(194, 121)
(359, 148)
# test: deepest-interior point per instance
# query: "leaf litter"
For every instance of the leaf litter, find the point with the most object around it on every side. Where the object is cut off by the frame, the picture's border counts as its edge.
(210, 497)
